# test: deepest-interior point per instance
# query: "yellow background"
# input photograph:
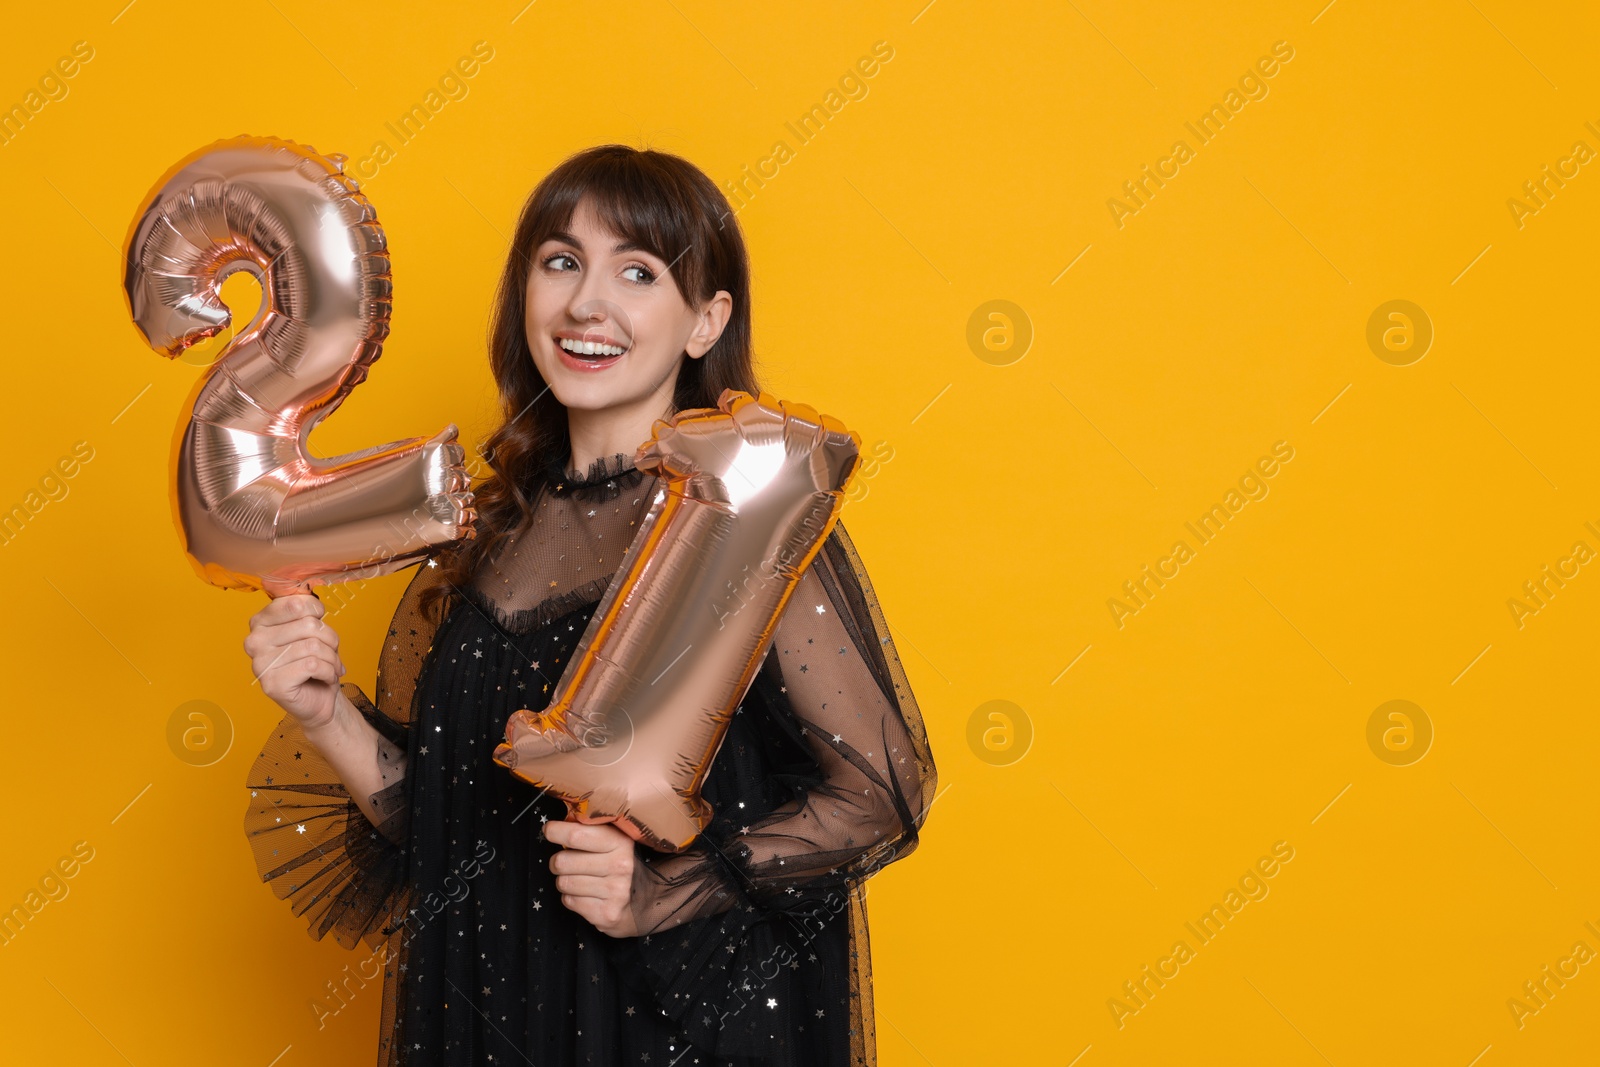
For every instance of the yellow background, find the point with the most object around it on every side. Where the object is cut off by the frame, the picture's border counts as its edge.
(1229, 313)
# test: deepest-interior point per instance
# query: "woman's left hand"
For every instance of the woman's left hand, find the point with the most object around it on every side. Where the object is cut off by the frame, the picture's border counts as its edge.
(594, 873)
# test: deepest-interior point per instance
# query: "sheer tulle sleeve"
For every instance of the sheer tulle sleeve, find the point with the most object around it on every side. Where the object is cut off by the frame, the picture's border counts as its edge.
(706, 916)
(857, 716)
(311, 842)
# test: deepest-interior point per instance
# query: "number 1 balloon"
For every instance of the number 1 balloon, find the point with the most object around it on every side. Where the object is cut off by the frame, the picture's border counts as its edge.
(254, 509)
(750, 490)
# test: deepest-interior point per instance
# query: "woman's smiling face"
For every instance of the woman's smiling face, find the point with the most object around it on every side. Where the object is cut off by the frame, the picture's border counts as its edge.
(606, 323)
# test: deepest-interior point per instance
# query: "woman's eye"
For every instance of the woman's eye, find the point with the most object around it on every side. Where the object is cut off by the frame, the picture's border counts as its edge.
(648, 274)
(559, 255)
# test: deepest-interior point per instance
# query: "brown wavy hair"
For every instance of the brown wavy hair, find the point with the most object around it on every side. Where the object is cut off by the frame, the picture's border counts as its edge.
(668, 206)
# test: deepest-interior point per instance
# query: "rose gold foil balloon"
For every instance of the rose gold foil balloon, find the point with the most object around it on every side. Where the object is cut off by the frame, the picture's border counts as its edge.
(750, 490)
(254, 509)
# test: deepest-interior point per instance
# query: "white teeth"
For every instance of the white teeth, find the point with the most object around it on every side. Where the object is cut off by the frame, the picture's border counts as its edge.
(589, 348)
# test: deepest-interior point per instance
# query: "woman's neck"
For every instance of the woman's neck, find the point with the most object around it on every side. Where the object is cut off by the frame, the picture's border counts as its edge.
(602, 434)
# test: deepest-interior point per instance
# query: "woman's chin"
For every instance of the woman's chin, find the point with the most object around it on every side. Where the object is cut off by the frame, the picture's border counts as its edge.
(589, 395)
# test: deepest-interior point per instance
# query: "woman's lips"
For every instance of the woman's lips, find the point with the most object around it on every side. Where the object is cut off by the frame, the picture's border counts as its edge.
(588, 364)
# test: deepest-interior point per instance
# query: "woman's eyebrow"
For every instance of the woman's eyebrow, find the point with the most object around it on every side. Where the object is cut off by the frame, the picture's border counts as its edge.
(616, 249)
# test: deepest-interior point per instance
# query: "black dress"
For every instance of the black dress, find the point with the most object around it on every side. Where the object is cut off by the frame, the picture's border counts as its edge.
(753, 943)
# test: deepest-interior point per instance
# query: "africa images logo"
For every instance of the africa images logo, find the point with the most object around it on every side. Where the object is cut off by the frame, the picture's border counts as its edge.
(1252, 85)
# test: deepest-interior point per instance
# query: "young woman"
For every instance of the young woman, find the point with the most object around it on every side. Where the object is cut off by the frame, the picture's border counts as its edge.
(505, 934)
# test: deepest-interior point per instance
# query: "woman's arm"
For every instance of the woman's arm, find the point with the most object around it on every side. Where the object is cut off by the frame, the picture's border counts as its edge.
(328, 817)
(856, 714)
(362, 758)
(294, 654)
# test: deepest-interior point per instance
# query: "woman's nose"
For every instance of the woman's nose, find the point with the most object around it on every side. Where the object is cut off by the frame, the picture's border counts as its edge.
(588, 299)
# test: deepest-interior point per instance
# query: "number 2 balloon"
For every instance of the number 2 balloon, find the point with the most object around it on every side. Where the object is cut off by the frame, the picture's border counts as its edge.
(254, 508)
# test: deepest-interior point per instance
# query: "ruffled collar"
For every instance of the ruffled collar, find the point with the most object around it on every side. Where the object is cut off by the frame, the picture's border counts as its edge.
(604, 476)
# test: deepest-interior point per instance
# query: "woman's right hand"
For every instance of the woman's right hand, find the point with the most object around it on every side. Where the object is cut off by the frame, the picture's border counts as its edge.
(295, 655)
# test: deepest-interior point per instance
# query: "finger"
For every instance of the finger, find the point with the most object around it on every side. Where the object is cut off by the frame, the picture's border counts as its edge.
(324, 672)
(570, 834)
(310, 646)
(318, 630)
(294, 631)
(573, 861)
(260, 664)
(321, 665)
(288, 608)
(302, 658)
(567, 834)
(585, 838)
(582, 885)
(594, 837)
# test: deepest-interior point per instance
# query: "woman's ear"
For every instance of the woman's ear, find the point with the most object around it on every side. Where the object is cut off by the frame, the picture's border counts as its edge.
(713, 318)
